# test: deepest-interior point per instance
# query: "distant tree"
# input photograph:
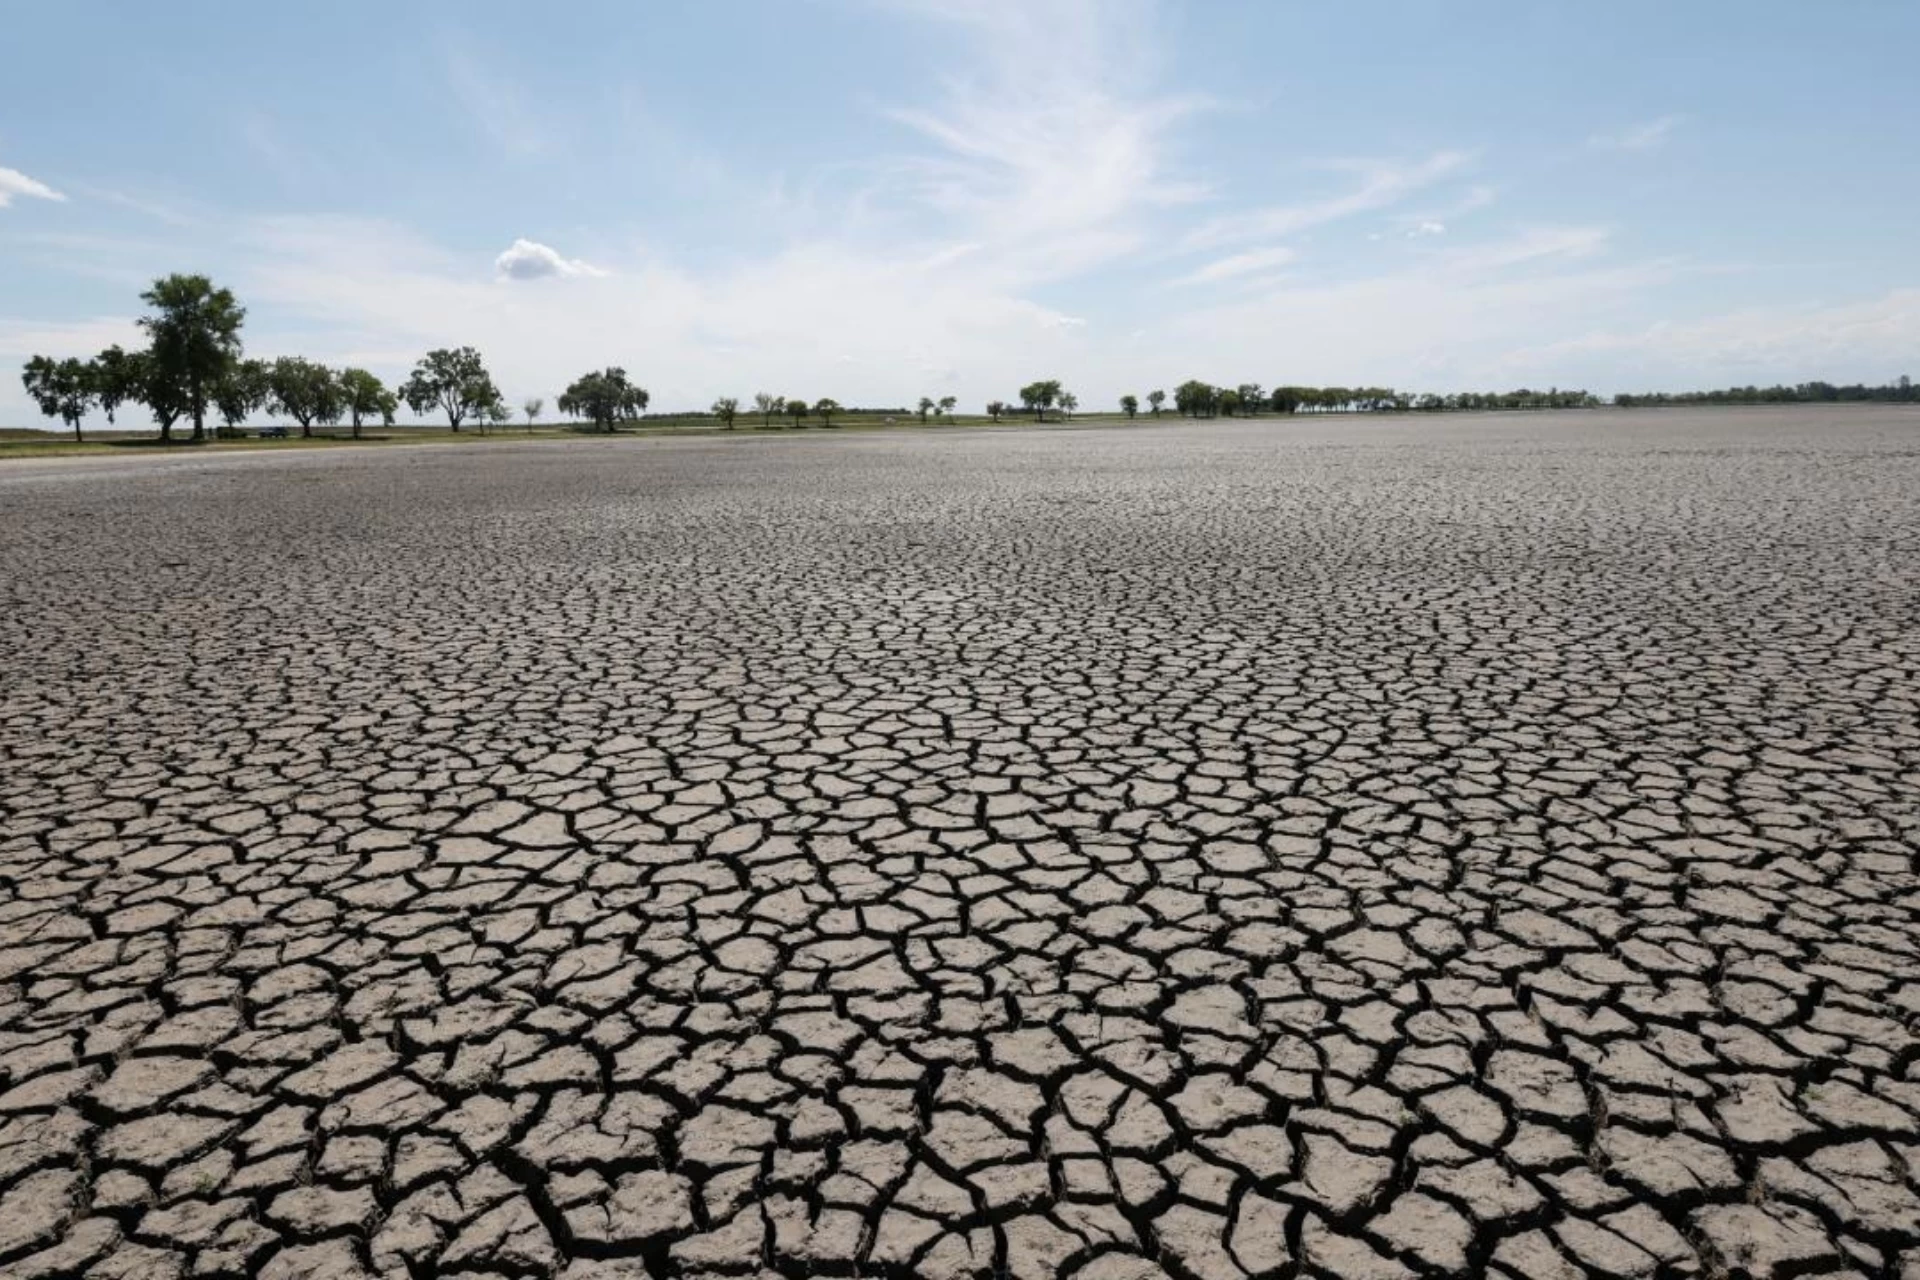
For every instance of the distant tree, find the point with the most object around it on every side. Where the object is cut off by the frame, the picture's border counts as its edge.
(116, 379)
(305, 391)
(243, 392)
(926, 407)
(497, 412)
(995, 408)
(532, 407)
(1157, 399)
(1038, 397)
(947, 405)
(604, 398)
(1226, 400)
(62, 388)
(194, 338)
(824, 408)
(452, 380)
(1068, 403)
(766, 406)
(364, 396)
(796, 409)
(1252, 398)
(1130, 405)
(1286, 399)
(159, 392)
(726, 408)
(1196, 398)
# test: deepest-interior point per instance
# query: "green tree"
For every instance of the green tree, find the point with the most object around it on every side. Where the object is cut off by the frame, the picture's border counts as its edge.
(364, 396)
(1038, 397)
(926, 407)
(766, 406)
(726, 408)
(947, 404)
(1156, 400)
(1068, 403)
(796, 409)
(452, 380)
(116, 380)
(604, 398)
(532, 407)
(1130, 405)
(1196, 398)
(246, 388)
(305, 391)
(497, 413)
(995, 408)
(62, 388)
(824, 408)
(194, 338)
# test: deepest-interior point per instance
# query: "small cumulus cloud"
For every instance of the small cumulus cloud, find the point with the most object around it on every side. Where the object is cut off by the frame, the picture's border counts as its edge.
(1424, 229)
(531, 260)
(1641, 137)
(15, 183)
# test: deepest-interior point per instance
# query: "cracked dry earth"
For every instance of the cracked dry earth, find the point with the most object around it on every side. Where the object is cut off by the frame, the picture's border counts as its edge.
(1347, 849)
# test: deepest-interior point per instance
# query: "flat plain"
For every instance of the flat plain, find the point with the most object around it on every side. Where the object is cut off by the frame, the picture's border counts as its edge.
(1344, 847)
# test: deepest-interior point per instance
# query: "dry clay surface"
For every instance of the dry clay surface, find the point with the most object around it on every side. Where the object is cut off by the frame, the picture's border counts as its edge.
(1335, 848)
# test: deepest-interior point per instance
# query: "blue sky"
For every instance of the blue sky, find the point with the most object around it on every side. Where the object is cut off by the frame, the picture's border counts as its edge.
(879, 199)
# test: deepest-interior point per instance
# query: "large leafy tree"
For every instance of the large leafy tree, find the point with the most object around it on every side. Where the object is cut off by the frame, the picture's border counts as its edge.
(796, 408)
(825, 407)
(726, 408)
(364, 396)
(453, 381)
(1130, 405)
(1156, 400)
(1196, 398)
(305, 391)
(604, 398)
(116, 379)
(62, 388)
(194, 339)
(1038, 397)
(245, 390)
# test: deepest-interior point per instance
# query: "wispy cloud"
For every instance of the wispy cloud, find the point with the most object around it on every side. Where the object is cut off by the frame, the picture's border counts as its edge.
(1380, 186)
(1649, 136)
(1240, 264)
(14, 183)
(531, 260)
(495, 104)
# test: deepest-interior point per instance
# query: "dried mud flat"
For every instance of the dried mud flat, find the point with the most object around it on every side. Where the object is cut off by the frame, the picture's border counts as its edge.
(1358, 849)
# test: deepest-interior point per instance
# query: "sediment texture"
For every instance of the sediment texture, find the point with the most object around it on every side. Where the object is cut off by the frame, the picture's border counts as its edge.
(1340, 848)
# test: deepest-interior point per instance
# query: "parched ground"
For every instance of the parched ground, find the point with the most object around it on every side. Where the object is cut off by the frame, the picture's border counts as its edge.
(1337, 848)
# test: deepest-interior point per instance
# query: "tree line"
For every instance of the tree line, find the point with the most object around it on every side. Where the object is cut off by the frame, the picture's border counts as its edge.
(194, 368)
(1900, 391)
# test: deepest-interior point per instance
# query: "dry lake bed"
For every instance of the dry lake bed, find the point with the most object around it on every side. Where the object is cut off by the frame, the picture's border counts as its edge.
(1340, 847)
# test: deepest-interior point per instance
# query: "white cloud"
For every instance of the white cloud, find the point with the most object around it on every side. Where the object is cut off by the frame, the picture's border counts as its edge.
(15, 183)
(1427, 228)
(1239, 264)
(531, 260)
(1650, 136)
(1381, 186)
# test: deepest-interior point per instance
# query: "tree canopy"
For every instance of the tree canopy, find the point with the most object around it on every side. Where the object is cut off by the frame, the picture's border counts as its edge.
(1038, 397)
(62, 388)
(604, 398)
(453, 381)
(194, 338)
(305, 391)
(364, 396)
